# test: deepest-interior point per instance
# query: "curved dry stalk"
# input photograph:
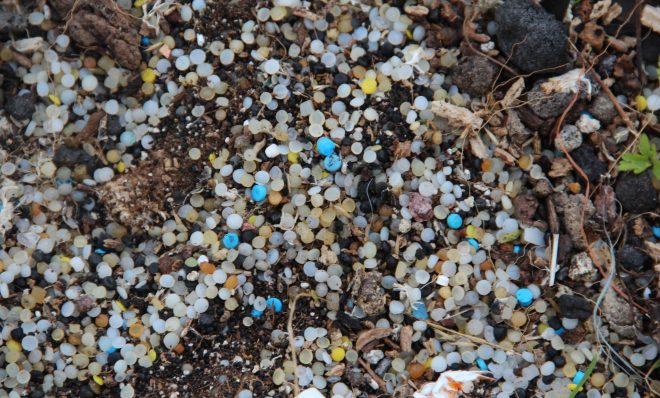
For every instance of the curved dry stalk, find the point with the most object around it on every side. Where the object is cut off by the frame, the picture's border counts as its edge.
(292, 347)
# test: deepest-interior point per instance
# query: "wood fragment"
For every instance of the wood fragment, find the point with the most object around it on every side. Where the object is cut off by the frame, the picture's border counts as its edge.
(513, 93)
(377, 379)
(405, 338)
(416, 10)
(456, 115)
(553, 221)
(505, 156)
(370, 335)
(307, 14)
(90, 128)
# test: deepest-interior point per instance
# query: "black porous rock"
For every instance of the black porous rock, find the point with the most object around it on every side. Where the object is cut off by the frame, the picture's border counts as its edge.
(636, 192)
(532, 37)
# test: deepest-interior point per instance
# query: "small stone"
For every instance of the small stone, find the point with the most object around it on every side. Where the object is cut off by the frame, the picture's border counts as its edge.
(532, 37)
(518, 132)
(623, 318)
(582, 268)
(587, 124)
(636, 192)
(585, 157)
(525, 205)
(632, 259)
(547, 105)
(602, 108)
(421, 207)
(367, 290)
(474, 75)
(20, 107)
(576, 307)
(571, 138)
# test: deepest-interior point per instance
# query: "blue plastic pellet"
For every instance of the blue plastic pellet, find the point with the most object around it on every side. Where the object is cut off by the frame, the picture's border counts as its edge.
(524, 296)
(419, 311)
(559, 331)
(482, 364)
(454, 221)
(256, 313)
(274, 303)
(656, 232)
(230, 240)
(578, 377)
(258, 193)
(516, 249)
(325, 146)
(145, 41)
(474, 243)
(332, 162)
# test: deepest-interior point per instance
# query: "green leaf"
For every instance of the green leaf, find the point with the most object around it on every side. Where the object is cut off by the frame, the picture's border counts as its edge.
(656, 168)
(645, 147)
(634, 162)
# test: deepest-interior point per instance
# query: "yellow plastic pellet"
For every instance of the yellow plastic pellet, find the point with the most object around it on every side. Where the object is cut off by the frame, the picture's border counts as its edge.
(55, 99)
(640, 100)
(120, 305)
(98, 380)
(14, 345)
(292, 157)
(338, 354)
(121, 167)
(148, 75)
(369, 86)
(152, 355)
(65, 259)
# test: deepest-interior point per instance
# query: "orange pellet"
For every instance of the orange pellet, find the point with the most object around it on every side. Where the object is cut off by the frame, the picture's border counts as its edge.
(274, 198)
(486, 165)
(179, 348)
(574, 187)
(486, 265)
(136, 330)
(525, 162)
(101, 320)
(35, 209)
(416, 370)
(89, 63)
(231, 282)
(207, 268)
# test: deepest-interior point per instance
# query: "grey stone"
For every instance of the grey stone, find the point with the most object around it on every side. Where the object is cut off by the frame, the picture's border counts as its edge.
(570, 136)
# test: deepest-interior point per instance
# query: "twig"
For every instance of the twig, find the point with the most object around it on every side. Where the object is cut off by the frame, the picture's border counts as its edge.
(377, 379)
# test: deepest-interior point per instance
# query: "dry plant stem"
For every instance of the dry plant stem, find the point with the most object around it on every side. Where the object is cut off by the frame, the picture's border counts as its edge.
(615, 102)
(475, 340)
(289, 330)
(379, 381)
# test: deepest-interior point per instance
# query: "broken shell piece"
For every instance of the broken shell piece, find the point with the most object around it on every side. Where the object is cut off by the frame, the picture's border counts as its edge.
(28, 45)
(449, 384)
